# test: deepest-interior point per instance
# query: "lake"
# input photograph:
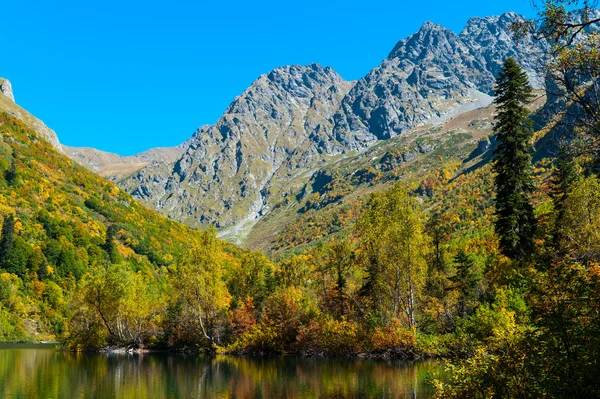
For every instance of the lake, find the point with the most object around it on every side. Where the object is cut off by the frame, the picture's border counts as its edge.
(41, 371)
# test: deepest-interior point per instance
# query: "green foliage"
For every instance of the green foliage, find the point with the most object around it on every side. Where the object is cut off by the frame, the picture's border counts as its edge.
(58, 226)
(465, 281)
(393, 247)
(515, 225)
(10, 174)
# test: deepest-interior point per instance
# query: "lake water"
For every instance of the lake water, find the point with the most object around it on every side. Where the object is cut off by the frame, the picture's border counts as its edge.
(36, 371)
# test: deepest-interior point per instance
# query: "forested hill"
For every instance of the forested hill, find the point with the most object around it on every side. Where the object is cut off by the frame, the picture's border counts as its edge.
(60, 221)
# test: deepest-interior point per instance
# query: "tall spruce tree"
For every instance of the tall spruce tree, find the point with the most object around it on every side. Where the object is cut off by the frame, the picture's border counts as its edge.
(465, 281)
(565, 175)
(7, 242)
(515, 224)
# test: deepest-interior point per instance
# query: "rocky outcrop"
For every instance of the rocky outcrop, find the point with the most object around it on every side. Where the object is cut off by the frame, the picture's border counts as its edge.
(7, 104)
(431, 76)
(6, 89)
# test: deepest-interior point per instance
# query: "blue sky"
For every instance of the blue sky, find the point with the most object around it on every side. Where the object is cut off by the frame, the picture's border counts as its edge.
(124, 76)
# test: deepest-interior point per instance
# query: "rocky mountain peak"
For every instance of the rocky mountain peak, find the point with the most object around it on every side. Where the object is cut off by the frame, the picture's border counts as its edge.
(431, 38)
(6, 89)
(231, 171)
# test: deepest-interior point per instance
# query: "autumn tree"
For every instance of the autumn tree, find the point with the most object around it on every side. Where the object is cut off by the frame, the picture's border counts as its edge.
(116, 305)
(573, 66)
(579, 230)
(393, 245)
(340, 258)
(200, 285)
(515, 225)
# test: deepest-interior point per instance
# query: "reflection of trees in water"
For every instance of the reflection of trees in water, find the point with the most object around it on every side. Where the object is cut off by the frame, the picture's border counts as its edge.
(52, 374)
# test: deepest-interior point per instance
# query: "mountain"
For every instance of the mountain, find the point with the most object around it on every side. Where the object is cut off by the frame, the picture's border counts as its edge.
(431, 76)
(295, 120)
(270, 137)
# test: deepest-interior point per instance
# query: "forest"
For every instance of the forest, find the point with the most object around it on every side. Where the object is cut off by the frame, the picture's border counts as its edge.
(496, 269)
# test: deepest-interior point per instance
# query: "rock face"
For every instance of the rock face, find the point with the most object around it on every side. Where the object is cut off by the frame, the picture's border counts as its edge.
(272, 134)
(7, 104)
(292, 120)
(6, 89)
(432, 75)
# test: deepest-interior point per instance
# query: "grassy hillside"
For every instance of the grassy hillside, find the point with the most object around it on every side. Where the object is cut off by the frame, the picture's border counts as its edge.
(60, 220)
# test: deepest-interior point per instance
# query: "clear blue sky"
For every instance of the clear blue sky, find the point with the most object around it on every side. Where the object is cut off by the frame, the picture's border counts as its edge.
(125, 76)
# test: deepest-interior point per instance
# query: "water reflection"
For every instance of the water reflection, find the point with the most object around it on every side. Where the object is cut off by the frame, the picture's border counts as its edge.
(42, 372)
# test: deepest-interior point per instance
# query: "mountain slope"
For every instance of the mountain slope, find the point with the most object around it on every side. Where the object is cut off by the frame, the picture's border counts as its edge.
(269, 137)
(294, 120)
(67, 220)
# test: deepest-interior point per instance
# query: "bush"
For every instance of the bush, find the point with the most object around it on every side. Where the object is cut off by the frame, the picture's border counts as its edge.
(328, 336)
(393, 336)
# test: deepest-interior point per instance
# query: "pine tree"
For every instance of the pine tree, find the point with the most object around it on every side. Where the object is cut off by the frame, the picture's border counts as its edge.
(8, 238)
(10, 174)
(564, 176)
(110, 246)
(466, 280)
(14, 251)
(515, 224)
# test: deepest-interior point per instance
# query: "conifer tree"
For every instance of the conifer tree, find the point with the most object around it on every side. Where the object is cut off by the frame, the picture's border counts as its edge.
(10, 174)
(515, 224)
(465, 280)
(564, 176)
(8, 238)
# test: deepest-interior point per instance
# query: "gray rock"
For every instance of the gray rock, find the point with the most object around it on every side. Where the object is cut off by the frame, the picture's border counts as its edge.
(431, 76)
(425, 148)
(278, 128)
(6, 89)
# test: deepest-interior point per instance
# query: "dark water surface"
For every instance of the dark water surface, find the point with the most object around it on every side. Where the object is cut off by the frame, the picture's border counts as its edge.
(40, 371)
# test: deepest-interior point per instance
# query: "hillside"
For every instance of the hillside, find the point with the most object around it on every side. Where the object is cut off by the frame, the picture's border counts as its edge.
(422, 157)
(8, 105)
(60, 221)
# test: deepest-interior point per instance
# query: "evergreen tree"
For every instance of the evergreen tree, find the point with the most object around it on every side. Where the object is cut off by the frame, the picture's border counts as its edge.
(465, 281)
(564, 176)
(515, 224)
(10, 174)
(563, 179)
(8, 238)
(14, 251)
(110, 246)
